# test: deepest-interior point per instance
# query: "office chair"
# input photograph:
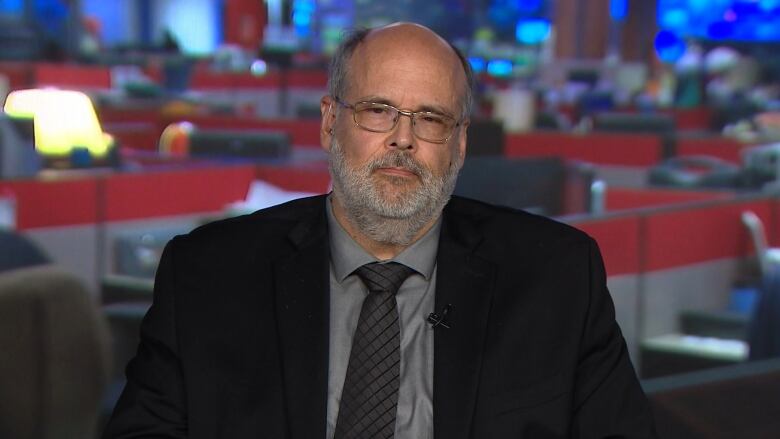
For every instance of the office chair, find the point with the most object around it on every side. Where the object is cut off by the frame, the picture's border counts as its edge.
(55, 355)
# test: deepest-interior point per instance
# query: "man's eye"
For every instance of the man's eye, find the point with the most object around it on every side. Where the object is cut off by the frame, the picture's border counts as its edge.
(376, 111)
(432, 119)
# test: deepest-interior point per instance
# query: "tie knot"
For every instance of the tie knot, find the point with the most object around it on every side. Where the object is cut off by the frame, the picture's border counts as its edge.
(384, 277)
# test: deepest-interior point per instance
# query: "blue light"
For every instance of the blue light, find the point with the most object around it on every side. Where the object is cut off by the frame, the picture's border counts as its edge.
(477, 64)
(767, 32)
(768, 5)
(529, 5)
(532, 31)
(737, 20)
(618, 9)
(668, 46)
(12, 7)
(302, 13)
(304, 5)
(699, 5)
(301, 19)
(720, 30)
(674, 19)
(499, 67)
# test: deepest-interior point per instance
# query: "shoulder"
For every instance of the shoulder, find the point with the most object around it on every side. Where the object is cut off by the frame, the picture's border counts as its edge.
(502, 229)
(268, 227)
(507, 221)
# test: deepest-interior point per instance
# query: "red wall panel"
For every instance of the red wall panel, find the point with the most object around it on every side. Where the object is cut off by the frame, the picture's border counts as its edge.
(689, 236)
(61, 202)
(601, 148)
(153, 194)
(618, 239)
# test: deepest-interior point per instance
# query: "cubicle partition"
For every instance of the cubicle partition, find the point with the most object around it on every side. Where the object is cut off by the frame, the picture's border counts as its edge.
(76, 216)
(618, 238)
(724, 148)
(618, 198)
(67, 75)
(662, 260)
(304, 132)
(617, 149)
(133, 127)
(19, 74)
(622, 159)
(60, 216)
(141, 129)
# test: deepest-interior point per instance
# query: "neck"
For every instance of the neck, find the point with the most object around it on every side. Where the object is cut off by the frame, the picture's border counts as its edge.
(380, 250)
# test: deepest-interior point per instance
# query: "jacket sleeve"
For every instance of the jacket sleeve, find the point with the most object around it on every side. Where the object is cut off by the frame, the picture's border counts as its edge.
(608, 400)
(152, 404)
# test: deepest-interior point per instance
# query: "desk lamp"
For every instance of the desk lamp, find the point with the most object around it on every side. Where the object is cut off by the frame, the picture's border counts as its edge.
(64, 122)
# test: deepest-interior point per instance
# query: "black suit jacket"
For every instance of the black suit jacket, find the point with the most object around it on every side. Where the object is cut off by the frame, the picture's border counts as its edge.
(236, 342)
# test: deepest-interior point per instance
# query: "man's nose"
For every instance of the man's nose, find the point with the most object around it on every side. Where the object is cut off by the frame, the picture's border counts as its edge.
(402, 136)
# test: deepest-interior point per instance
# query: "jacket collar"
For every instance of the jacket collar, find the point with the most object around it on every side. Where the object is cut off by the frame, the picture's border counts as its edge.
(465, 284)
(302, 309)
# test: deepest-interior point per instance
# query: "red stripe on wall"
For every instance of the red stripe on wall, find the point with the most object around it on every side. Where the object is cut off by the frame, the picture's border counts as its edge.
(618, 239)
(772, 226)
(71, 75)
(601, 148)
(308, 78)
(61, 202)
(207, 80)
(686, 237)
(154, 194)
(315, 180)
(621, 199)
(699, 118)
(714, 146)
(19, 74)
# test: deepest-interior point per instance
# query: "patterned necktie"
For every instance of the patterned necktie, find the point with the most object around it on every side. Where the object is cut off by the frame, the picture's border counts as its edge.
(370, 397)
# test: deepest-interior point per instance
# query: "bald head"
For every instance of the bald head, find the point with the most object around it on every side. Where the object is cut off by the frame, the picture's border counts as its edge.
(409, 36)
(401, 41)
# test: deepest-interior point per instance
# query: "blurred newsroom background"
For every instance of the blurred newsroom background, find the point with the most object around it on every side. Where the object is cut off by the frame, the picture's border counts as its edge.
(652, 125)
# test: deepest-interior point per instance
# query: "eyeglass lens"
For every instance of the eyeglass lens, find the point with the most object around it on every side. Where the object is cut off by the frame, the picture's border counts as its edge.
(382, 118)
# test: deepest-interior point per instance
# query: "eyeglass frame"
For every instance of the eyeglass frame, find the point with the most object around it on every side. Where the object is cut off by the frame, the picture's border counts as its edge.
(410, 114)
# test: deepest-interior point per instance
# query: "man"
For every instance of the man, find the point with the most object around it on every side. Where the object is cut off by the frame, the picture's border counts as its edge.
(280, 324)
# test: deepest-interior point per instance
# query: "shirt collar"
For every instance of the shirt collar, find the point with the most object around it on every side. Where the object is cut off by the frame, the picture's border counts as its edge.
(346, 255)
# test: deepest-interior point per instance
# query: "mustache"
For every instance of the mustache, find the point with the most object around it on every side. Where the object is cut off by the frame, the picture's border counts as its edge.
(398, 159)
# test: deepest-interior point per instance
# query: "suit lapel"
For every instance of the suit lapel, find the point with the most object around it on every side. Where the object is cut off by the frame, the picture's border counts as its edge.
(464, 281)
(302, 304)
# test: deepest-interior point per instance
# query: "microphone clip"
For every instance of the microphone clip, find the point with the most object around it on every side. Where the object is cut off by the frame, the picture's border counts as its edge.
(436, 319)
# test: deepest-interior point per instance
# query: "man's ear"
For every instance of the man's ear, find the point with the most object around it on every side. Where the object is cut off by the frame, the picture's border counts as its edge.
(328, 121)
(463, 137)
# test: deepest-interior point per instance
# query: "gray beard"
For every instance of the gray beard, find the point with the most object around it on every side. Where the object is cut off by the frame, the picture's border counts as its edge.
(385, 218)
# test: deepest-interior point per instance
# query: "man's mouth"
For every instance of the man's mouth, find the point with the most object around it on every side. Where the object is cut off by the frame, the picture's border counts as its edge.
(396, 171)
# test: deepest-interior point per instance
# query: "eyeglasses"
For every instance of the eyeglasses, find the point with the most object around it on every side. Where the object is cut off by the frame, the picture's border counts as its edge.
(381, 118)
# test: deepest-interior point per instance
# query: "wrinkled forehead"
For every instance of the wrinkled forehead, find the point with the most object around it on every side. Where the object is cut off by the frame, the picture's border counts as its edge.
(418, 58)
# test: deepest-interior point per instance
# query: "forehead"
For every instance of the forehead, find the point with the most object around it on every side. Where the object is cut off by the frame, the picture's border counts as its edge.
(410, 73)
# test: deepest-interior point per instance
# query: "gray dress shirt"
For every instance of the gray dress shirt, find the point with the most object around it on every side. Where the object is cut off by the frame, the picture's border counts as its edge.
(415, 301)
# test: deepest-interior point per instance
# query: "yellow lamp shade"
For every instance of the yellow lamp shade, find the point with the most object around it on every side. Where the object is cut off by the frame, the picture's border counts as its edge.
(63, 120)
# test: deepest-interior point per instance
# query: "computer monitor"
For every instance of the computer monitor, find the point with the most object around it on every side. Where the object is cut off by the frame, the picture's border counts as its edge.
(663, 125)
(485, 137)
(536, 184)
(265, 144)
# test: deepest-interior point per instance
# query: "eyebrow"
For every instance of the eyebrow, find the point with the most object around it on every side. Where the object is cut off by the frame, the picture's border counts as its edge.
(429, 108)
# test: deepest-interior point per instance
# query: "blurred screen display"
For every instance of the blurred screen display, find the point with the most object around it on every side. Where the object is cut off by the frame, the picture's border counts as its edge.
(731, 20)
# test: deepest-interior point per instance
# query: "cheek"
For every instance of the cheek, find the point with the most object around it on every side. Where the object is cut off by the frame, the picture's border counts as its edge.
(451, 155)
(440, 162)
(356, 149)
